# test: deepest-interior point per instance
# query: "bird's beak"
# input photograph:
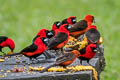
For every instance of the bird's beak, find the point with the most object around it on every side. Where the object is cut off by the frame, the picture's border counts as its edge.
(94, 21)
(11, 52)
(98, 49)
(46, 41)
(69, 27)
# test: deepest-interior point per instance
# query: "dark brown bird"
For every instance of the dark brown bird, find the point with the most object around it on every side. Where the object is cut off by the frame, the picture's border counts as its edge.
(93, 35)
(64, 60)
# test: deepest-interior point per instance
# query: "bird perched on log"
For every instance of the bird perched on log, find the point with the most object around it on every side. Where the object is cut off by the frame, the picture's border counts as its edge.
(88, 52)
(60, 38)
(6, 42)
(64, 60)
(70, 20)
(46, 34)
(82, 26)
(34, 50)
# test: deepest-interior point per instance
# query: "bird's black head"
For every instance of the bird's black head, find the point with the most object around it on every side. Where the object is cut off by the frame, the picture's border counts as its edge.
(73, 20)
(68, 27)
(45, 40)
(49, 34)
(57, 24)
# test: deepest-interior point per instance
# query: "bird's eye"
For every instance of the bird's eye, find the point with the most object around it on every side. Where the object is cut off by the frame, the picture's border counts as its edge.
(74, 20)
(50, 33)
(46, 39)
(69, 26)
(95, 50)
(58, 24)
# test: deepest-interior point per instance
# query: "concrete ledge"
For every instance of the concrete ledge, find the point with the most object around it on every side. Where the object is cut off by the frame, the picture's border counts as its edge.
(82, 75)
(98, 63)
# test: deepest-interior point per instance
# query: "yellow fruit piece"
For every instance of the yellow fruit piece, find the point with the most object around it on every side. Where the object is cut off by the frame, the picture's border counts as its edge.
(85, 38)
(1, 76)
(1, 70)
(100, 40)
(72, 42)
(1, 60)
(8, 71)
(83, 68)
(72, 68)
(10, 52)
(35, 68)
(82, 44)
(56, 69)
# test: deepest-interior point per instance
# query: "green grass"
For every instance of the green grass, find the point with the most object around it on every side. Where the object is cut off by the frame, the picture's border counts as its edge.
(22, 19)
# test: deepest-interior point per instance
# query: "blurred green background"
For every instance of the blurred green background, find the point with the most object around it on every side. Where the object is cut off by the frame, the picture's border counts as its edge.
(22, 19)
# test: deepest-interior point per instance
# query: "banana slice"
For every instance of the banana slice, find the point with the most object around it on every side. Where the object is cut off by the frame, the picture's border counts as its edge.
(1, 60)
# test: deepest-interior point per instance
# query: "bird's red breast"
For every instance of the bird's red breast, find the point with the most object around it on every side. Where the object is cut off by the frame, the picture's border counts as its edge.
(89, 53)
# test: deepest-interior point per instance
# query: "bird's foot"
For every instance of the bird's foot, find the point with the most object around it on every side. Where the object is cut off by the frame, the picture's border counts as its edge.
(85, 63)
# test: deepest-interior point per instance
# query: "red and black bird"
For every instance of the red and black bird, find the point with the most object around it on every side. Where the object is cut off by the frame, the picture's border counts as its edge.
(44, 33)
(60, 38)
(82, 26)
(6, 42)
(34, 50)
(56, 25)
(88, 52)
(64, 60)
(70, 20)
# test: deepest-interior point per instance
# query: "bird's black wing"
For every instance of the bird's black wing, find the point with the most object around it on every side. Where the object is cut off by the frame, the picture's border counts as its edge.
(64, 21)
(81, 25)
(35, 38)
(83, 51)
(65, 57)
(59, 38)
(30, 48)
(3, 38)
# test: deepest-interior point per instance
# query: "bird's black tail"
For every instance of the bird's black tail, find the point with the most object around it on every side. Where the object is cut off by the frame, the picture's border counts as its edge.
(48, 55)
(47, 68)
